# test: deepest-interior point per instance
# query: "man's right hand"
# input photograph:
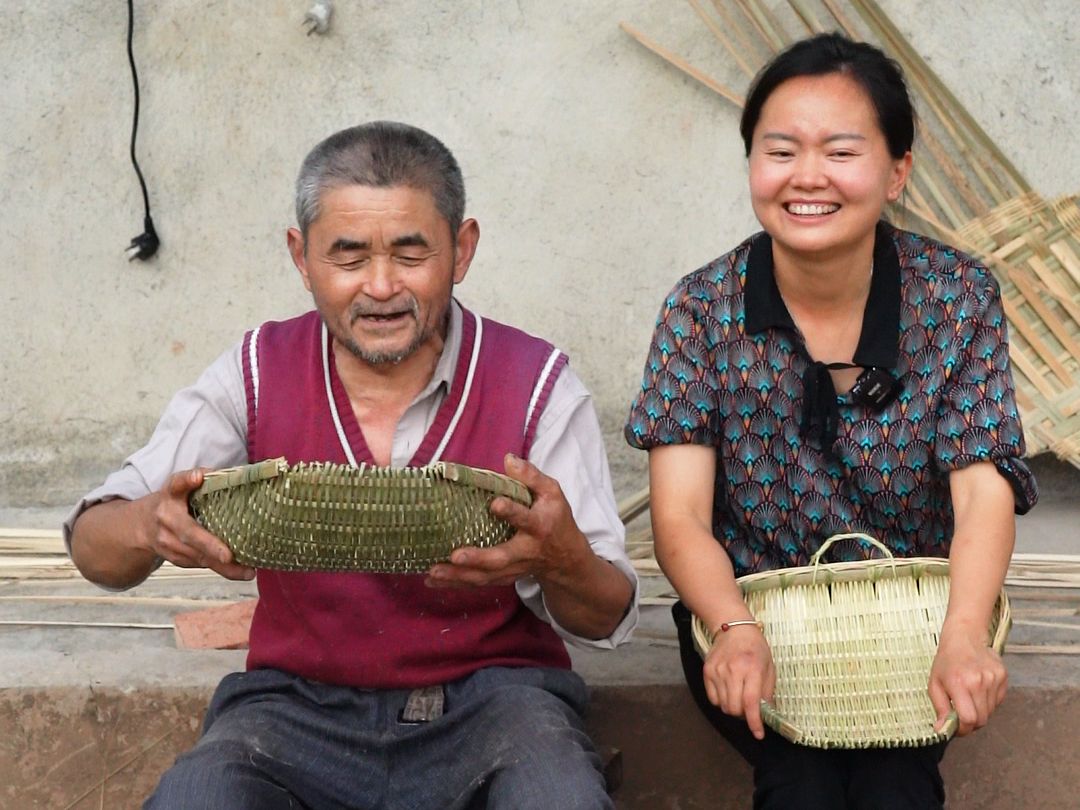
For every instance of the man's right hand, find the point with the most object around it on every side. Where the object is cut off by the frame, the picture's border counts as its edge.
(170, 532)
(739, 673)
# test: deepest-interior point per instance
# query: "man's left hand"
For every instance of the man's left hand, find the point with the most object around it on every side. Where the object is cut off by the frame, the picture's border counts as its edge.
(546, 544)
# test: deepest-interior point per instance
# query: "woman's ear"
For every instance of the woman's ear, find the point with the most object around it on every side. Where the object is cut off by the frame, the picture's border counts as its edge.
(901, 172)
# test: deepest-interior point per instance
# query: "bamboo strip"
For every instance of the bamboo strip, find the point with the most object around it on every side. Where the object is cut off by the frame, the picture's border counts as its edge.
(135, 601)
(771, 42)
(771, 22)
(743, 41)
(948, 167)
(842, 19)
(109, 625)
(633, 505)
(1056, 625)
(873, 15)
(803, 12)
(684, 66)
(1036, 301)
(717, 32)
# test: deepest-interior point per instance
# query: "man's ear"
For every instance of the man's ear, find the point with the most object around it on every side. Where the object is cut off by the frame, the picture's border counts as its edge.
(295, 241)
(465, 248)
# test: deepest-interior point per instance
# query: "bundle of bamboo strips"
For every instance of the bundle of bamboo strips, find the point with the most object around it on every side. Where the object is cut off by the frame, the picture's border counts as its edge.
(963, 190)
(29, 557)
(39, 554)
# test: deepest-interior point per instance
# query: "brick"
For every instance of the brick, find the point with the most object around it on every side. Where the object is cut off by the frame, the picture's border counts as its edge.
(225, 627)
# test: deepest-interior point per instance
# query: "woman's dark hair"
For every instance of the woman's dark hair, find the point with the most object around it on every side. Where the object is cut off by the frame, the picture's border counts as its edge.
(879, 76)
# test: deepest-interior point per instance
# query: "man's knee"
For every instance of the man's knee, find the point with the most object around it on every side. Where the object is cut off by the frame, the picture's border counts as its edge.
(546, 757)
(220, 775)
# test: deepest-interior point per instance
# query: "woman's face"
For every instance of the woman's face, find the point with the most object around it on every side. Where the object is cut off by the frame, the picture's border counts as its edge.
(820, 169)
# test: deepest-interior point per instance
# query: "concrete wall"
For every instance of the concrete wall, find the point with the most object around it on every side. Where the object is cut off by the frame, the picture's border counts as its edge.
(599, 176)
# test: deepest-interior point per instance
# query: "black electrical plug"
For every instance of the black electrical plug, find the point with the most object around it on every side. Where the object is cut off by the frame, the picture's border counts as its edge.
(146, 244)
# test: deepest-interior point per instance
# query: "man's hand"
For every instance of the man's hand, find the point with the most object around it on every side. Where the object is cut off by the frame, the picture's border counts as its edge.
(584, 594)
(547, 543)
(170, 532)
(118, 543)
(968, 676)
(738, 673)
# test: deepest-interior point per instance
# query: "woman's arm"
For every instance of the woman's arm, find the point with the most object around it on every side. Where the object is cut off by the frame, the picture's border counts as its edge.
(739, 670)
(966, 673)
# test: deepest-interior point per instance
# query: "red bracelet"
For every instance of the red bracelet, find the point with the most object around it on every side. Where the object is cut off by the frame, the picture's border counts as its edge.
(728, 625)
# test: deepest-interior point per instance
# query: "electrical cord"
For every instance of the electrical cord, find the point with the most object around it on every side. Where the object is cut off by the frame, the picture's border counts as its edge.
(146, 244)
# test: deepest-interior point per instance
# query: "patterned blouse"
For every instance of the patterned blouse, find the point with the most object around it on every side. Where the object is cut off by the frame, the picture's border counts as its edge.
(726, 368)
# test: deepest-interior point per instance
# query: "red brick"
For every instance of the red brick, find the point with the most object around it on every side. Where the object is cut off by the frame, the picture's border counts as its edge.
(225, 627)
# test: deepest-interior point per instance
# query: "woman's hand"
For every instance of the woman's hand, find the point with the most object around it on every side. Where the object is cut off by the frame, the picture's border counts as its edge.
(966, 672)
(967, 676)
(739, 673)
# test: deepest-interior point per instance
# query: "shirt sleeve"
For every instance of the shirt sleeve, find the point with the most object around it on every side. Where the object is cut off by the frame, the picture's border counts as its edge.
(979, 419)
(569, 447)
(204, 425)
(677, 403)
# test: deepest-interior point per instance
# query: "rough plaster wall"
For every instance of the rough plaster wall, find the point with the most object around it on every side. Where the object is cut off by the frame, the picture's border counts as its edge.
(599, 176)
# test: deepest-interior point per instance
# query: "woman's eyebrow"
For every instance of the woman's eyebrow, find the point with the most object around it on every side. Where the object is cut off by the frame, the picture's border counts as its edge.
(838, 136)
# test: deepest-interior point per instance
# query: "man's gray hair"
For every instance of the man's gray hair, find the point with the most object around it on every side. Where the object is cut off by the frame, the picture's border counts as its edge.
(381, 154)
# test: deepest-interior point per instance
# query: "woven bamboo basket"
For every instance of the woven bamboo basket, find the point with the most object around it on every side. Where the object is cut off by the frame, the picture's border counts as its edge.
(853, 644)
(332, 517)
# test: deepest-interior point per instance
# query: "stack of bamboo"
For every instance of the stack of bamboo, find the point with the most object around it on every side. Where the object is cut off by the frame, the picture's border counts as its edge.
(963, 190)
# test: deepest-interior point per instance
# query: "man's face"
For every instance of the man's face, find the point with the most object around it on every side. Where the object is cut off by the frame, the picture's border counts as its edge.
(381, 264)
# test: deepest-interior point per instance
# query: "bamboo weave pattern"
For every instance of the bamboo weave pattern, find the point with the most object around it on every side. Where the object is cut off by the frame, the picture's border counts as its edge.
(853, 644)
(332, 517)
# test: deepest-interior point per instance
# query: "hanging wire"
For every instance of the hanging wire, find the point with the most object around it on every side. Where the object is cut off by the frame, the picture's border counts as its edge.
(145, 244)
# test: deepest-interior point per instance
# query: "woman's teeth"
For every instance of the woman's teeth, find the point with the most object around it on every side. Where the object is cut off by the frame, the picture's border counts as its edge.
(807, 209)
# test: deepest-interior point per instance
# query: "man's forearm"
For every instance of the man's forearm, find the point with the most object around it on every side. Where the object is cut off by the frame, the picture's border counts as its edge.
(588, 599)
(105, 545)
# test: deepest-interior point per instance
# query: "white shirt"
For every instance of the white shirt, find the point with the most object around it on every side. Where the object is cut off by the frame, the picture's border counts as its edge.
(205, 425)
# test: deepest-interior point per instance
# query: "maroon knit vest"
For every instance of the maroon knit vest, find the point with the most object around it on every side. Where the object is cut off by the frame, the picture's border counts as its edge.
(390, 630)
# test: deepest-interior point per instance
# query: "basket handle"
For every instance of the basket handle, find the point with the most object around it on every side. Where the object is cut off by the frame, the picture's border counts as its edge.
(816, 558)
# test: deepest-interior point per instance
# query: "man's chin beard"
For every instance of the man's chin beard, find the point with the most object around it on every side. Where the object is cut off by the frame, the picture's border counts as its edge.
(384, 358)
(391, 358)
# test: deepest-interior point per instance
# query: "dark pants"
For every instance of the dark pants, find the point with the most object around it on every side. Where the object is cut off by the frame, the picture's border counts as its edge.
(797, 777)
(509, 738)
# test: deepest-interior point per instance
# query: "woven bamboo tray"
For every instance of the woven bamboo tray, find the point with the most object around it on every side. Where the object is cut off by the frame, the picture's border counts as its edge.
(853, 644)
(332, 517)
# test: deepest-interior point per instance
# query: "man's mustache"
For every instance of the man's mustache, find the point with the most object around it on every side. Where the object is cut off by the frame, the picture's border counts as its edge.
(362, 310)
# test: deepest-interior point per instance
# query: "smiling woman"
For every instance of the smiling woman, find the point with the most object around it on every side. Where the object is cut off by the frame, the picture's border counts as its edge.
(832, 374)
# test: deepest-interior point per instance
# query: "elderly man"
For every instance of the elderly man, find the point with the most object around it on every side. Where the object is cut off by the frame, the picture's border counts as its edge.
(446, 690)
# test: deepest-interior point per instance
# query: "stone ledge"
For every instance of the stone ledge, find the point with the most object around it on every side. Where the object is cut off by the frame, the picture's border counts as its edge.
(82, 748)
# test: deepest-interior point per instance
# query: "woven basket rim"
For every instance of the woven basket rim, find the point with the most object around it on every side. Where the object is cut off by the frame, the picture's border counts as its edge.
(829, 574)
(478, 477)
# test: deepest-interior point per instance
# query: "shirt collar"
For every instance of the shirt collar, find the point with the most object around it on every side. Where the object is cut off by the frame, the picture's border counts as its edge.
(878, 345)
(443, 375)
